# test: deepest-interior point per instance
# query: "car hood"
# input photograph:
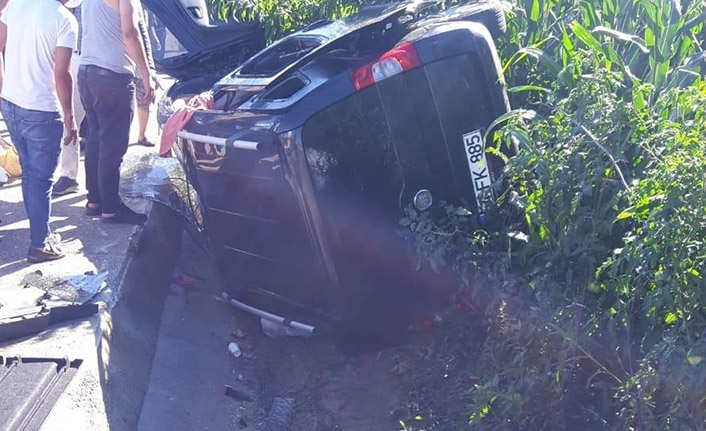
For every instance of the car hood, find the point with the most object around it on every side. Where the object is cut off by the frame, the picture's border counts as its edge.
(186, 43)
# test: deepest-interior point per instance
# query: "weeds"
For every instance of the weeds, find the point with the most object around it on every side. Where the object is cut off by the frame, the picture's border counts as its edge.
(607, 200)
(596, 318)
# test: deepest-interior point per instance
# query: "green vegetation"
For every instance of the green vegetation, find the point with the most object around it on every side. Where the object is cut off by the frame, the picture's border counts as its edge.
(281, 17)
(596, 255)
(604, 223)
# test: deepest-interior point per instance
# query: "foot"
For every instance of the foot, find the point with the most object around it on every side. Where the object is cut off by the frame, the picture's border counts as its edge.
(44, 254)
(64, 186)
(93, 210)
(124, 215)
(145, 142)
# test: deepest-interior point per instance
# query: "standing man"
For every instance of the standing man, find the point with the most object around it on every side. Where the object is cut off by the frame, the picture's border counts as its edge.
(38, 37)
(111, 49)
(70, 153)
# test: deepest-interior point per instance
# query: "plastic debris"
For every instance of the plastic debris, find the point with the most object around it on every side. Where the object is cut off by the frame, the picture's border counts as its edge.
(276, 330)
(163, 180)
(238, 335)
(74, 289)
(234, 350)
(183, 280)
(281, 415)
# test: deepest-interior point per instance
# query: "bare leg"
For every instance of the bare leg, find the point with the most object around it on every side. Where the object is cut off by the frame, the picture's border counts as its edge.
(143, 117)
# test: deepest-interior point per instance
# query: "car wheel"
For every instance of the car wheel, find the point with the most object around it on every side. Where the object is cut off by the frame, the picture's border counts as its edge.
(490, 14)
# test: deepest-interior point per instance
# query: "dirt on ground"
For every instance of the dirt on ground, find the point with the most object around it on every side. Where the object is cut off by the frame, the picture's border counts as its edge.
(419, 382)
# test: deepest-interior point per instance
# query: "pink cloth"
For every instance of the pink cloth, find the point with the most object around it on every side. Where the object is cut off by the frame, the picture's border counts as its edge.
(181, 117)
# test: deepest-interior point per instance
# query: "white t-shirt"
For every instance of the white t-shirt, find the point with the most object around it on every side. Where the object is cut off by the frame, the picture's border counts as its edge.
(35, 28)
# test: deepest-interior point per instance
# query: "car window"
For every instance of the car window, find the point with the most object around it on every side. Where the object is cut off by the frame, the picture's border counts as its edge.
(164, 44)
(279, 56)
(350, 153)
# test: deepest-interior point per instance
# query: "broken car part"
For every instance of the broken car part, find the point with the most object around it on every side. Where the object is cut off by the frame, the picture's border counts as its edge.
(31, 387)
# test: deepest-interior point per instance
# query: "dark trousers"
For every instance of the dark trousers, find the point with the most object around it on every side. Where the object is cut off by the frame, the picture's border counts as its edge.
(107, 98)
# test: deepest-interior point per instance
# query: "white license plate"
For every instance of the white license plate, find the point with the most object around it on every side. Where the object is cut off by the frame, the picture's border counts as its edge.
(480, 171)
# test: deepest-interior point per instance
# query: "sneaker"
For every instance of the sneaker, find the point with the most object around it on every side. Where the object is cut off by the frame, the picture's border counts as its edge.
(125, 215)
(145, 142)
(47, 253)
(93, 212)
(64, 186)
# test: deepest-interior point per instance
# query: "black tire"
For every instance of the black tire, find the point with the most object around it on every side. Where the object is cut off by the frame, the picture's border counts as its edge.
(281, 413)
(490, 14)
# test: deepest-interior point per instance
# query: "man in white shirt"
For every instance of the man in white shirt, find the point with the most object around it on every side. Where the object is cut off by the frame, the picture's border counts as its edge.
(38, 38)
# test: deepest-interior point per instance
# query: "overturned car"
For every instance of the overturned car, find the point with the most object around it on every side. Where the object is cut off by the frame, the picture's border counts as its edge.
(319, 142)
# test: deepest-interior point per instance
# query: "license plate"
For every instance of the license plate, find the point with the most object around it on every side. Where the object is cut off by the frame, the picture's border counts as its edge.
(480, 171)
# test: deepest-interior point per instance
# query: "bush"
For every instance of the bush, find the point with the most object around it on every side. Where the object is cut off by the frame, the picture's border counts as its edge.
(281, 17)
(598, 320)
(604, 223)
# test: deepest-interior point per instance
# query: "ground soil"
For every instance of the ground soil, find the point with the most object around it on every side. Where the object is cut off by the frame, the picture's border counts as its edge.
(419, 382)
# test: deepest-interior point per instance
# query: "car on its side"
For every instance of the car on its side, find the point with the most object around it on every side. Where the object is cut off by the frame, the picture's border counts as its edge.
(319, 142)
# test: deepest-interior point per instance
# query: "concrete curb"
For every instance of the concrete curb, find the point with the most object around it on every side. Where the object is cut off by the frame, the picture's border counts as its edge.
(131, 333)
(109, 390)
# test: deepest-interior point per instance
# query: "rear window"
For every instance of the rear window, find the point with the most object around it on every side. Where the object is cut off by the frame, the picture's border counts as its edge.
(351, 156)
(279, 56)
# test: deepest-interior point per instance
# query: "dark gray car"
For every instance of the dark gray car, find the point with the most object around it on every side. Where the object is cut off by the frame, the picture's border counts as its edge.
(320, 141)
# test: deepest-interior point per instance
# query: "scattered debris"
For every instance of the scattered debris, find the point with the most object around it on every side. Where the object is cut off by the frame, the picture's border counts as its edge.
(239, 335)
(163, 180)
(276, 330)
(29, 310)
(183, 280)
(240, 392)
(281, 414)
(234, 350)
(74, 289)
(31, 387)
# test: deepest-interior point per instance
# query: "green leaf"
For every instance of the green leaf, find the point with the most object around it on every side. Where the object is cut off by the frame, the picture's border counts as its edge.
(635, 40)
(524, 88)
(625, 215)
(543, 59)
(534, 13)
(585, 36)
(649, 37)
(670, 318)
(515, 113)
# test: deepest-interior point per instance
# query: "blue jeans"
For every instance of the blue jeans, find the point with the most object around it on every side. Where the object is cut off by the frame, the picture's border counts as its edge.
(37, 137)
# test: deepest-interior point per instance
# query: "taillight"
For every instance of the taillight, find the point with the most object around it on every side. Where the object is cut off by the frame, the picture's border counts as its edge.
(400, 59)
